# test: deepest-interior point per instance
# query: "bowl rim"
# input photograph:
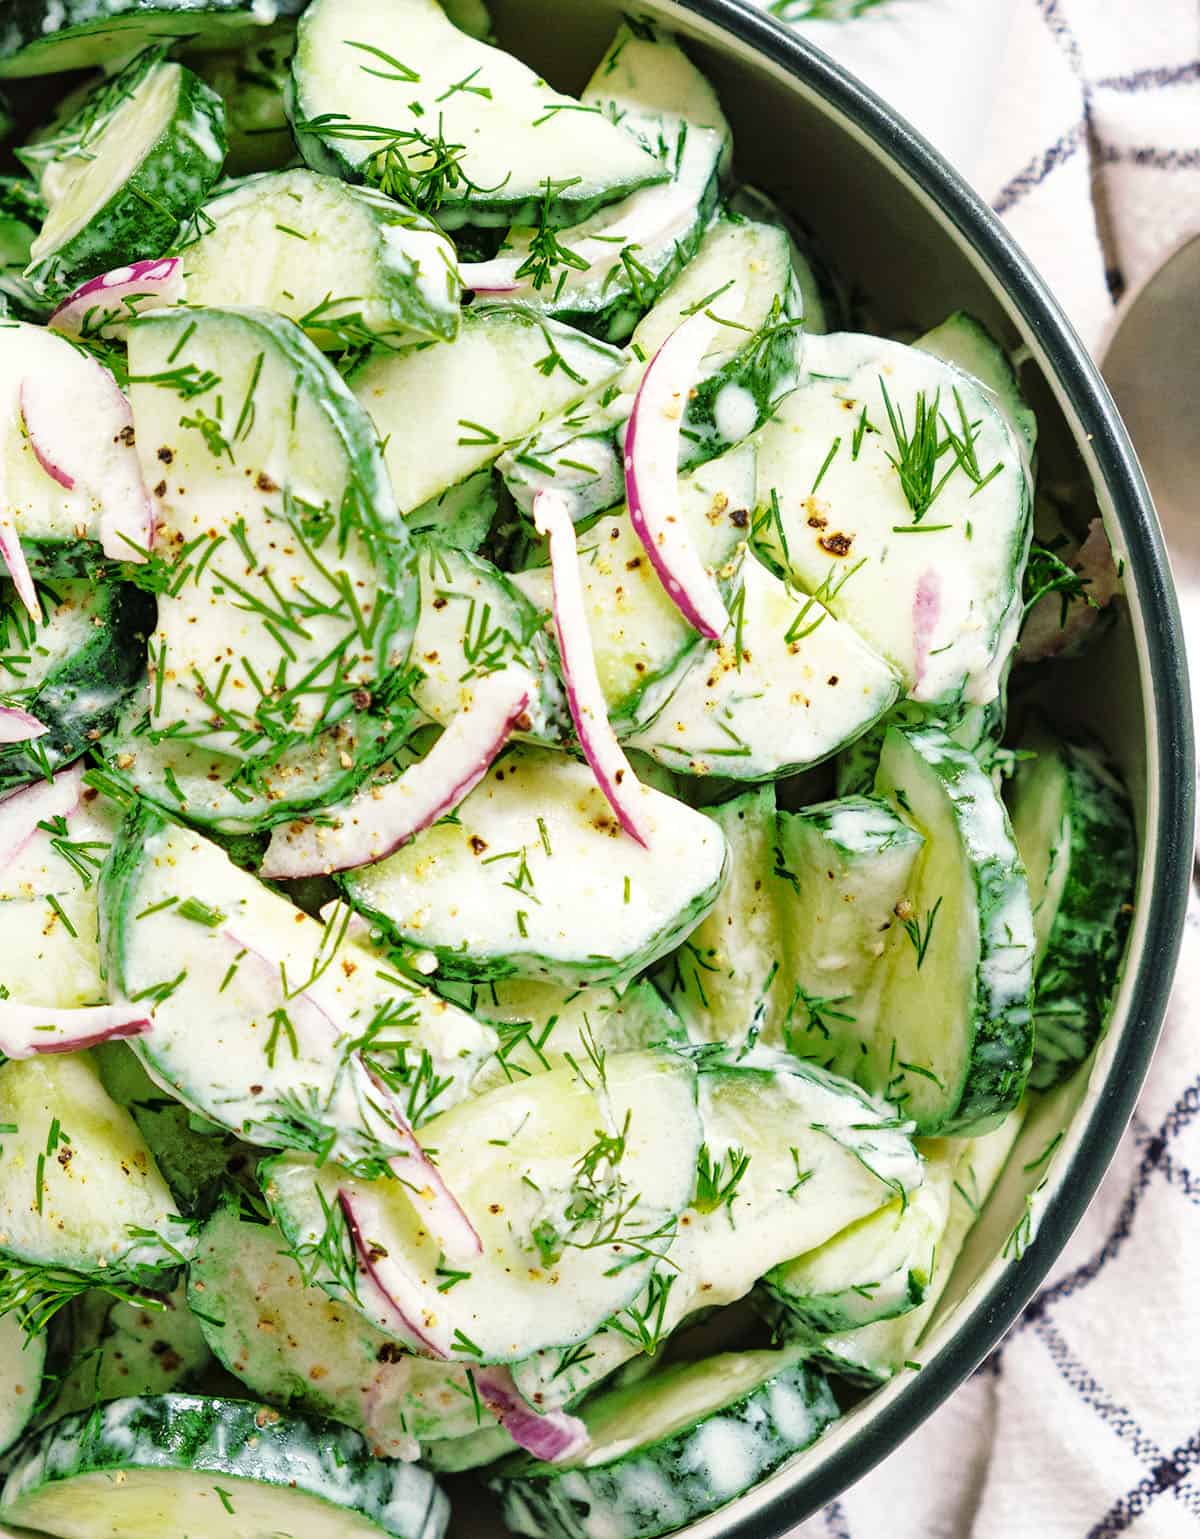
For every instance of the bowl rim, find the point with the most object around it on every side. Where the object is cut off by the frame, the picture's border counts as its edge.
(1149, 973)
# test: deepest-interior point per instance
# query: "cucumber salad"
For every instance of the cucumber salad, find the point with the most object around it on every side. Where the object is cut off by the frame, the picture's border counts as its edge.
(524, 820)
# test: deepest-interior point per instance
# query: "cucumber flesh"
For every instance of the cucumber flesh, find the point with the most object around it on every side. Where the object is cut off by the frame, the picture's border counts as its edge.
(969, 346)
(671, 1448)
(22, 1363)
(170, 1466)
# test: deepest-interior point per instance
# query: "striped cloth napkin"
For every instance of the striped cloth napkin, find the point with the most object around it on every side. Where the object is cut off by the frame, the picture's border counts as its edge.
(1079, 120)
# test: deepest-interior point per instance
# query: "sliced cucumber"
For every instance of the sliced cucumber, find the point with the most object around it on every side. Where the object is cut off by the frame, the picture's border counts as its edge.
(473, 620)
(790, 1155)
(1074, 829)
(148, 163)
(44, 37)
(979, 728)
(824, 304)
(79, 1192)
(534, 878)
(462, 515)
(622, 258)
(170, 1466)
(302, 1350)
(744, 271)
(875, 1269)
(292, 590)
(347, 264)
(245, 795)
(452, 1455)
(843, 869)
(151, 1347)
(642, 644)
(969, 346)
(21, 215)
(198, 1159)
(565, 1179)
(543, 1026)
(273, 1059)
(933, 582)
(22, 1364)
(727, 979)
(784, 689)
(500, 149)
(48, 907)
(955, 1033)
(671, 1448)
(444, 413)
(965, 1170)
(252, 83)
(73, 672)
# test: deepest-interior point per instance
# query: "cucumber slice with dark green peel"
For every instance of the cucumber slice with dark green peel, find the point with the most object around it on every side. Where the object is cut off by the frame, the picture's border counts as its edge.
(824, 303)
(345, 263)
(46, 37)
(843, 868)
(150, 1347)
(744, 272)
(542, 1026)
(283, 1000)
(241, 796)
(979, 728)
(93, 1207)
(893, 490)
(671, 1448)
(74, 673)
(445, 413)
(174, 1466)
(251, 82)
(1074, 828)
(785, 687)
(565, 1178)
(22, 1364)
(789, 1153)
(473, 621)
(198, 1159)
(147, 163)
(963, 1171)
(969, 346)
(462, 515)
(642, 644)
(257, 453)
(622, 258)
(954, 1039)
(452, 1455)
(876, 1269)
(300, 1349)
(534, 879)
(479, 156)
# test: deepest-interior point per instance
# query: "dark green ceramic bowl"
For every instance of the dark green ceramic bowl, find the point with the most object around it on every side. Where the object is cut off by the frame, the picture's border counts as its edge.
(899, 226)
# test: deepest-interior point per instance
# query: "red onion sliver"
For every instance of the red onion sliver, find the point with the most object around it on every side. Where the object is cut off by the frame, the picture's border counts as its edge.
(499, 276)
(652, 476)
(383, 1276)
(21, 812)
(377, 822)
(926, 611)
(29, 1030)
(114, 298)
(546, 1435)
(18, 726)
(18, 567)
(589, 711)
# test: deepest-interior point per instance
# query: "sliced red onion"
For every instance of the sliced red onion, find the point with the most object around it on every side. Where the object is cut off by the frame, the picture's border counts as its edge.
(21, 812)
(29, 1030)
(395, 1293)
(18, 567)
(103, 306)
(378, 821)
(546, 1435)
(589, 711)
(926, 612)
(90, 445)
(652, 440)
(18, 726)
(499, 276)
(314, 1026)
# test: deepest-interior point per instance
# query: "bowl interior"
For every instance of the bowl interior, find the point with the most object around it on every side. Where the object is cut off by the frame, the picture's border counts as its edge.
(901, 251)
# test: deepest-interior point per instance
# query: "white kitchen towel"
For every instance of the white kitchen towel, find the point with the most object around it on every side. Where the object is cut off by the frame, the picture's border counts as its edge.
(1079, 121)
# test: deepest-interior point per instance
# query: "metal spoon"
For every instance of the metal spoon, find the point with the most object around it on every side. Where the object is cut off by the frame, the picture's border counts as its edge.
(1152, 365)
